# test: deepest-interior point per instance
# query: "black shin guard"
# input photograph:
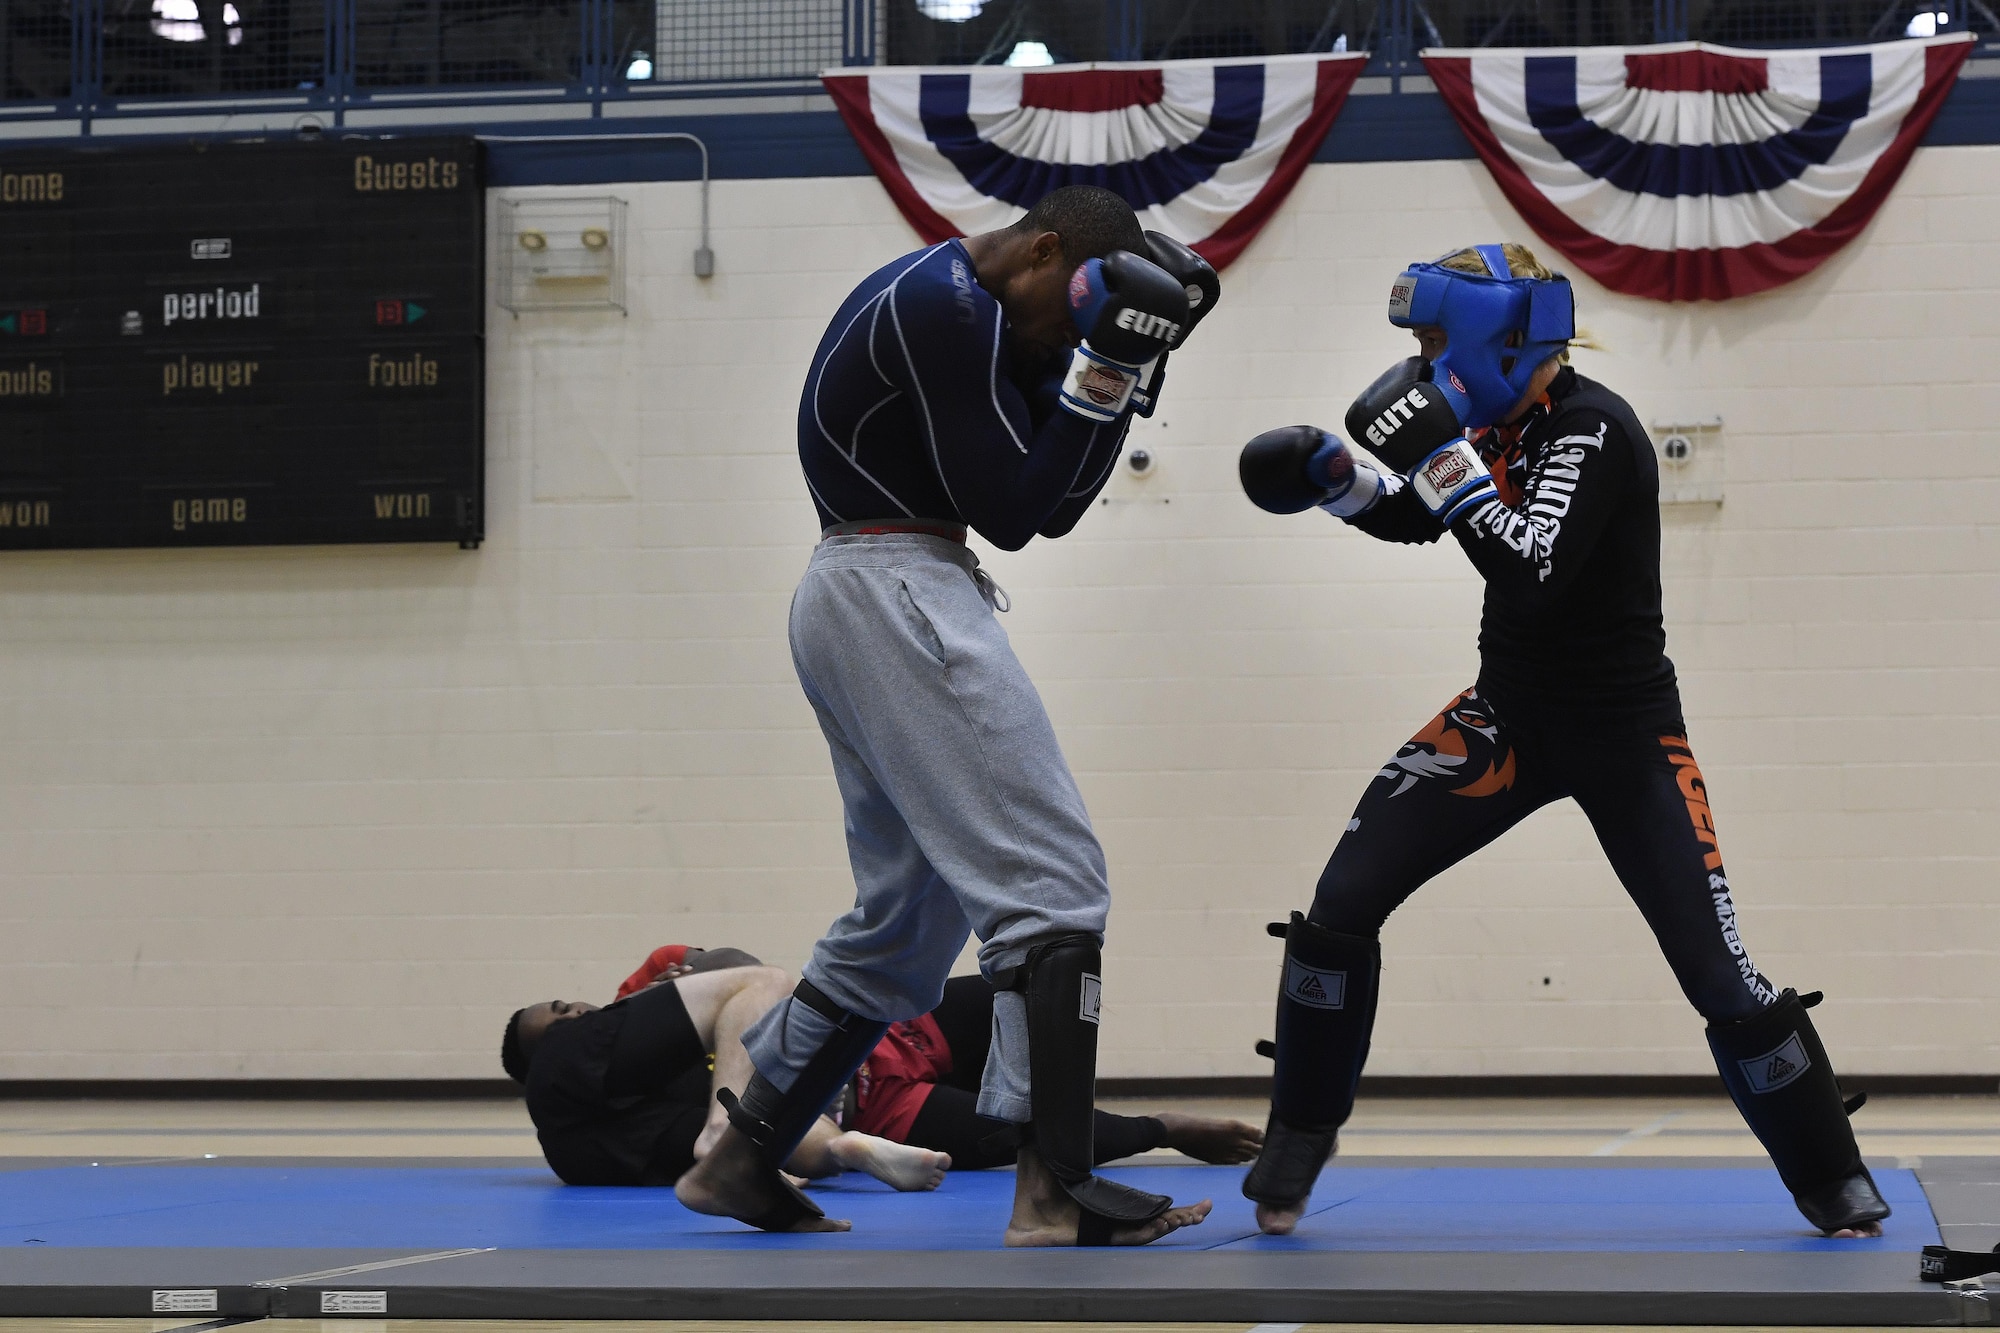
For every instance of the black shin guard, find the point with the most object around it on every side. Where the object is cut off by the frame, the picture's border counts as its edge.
(1778, 1074)
(1326, 1011)
(777, 1121)
(1062, 981)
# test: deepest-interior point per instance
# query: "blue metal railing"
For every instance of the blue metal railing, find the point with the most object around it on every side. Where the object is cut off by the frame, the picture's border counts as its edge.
(327, 61)
(956, 32)
(178, 66)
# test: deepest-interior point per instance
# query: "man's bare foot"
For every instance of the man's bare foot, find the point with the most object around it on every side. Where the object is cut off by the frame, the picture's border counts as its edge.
(1223, 1142)
(732, 1181)
(1044, 1214)
(900, 1165)
(1866, 1231)
(1279, 1219)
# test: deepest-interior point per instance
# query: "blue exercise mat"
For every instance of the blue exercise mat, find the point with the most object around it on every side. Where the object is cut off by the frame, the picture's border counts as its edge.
(1403, 1209)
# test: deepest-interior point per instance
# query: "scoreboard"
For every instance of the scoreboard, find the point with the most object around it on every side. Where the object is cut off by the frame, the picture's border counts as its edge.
(242, 344)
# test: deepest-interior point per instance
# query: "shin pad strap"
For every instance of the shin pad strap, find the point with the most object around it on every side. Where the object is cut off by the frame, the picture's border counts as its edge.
(776, 1121)
(793, 1206)
(1289, 1164)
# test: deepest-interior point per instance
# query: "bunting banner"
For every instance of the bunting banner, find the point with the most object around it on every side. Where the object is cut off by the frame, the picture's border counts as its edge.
(1690, 172)
(1204, 150)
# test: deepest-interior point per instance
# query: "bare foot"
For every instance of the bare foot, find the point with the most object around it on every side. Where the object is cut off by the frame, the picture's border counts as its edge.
(1223, 1142)
(1279, 1219)
(900, 1165)
(1866, 1231)
(1044, 1214)
(731, 1181)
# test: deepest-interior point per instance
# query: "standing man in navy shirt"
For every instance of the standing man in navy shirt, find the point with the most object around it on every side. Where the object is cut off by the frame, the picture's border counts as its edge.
(983, 383)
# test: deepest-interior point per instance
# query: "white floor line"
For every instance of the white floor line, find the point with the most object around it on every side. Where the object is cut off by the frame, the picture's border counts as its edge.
(1275, 1328)
(1645, 1131)
(403, 1262)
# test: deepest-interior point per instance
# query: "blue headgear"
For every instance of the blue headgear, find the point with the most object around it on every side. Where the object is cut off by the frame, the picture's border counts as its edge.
(1500, 329)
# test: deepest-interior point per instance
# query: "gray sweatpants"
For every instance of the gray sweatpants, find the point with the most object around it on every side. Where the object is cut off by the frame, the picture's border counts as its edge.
(961, 814)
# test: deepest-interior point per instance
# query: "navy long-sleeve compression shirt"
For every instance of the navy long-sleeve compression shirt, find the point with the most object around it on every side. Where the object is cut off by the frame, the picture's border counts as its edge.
(917, 406)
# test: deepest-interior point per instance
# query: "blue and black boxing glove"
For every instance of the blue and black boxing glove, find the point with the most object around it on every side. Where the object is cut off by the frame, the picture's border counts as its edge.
(1293, 468)
(1414, 425)
(1129, 311)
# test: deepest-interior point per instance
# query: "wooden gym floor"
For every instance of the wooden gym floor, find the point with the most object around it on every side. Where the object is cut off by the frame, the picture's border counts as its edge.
(1902, 1127)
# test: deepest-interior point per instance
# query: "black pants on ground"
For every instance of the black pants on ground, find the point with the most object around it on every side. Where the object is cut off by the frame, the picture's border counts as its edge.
(948, 1121)
(1469, 776)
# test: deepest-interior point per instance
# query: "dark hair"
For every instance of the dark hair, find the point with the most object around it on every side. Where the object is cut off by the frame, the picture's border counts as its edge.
(1091, 221)
(512, 1058)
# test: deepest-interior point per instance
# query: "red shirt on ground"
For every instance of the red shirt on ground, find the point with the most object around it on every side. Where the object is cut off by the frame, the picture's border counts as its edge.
(897, 1079)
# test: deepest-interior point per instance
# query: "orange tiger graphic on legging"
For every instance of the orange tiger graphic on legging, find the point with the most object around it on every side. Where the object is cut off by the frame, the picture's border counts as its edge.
(1444, 750)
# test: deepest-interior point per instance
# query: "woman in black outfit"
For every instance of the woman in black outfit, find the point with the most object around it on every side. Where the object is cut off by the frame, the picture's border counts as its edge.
(1549, 484)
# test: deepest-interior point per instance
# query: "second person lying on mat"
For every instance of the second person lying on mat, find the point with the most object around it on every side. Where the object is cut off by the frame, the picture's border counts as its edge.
(917, 1091)
(624, 1094)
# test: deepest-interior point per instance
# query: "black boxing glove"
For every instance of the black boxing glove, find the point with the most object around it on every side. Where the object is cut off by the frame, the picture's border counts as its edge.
(1401, 418)
(1130, 311)
(1146, 395)
(1387, 386)
(1410, 424)
(1294, 468)
(1197, 278)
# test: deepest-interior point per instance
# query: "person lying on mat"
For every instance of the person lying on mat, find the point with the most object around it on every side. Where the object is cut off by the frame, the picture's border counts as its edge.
(920, 1086)
(624, 1094)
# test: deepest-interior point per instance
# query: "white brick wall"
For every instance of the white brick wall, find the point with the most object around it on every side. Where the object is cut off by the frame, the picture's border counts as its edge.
(333, 812)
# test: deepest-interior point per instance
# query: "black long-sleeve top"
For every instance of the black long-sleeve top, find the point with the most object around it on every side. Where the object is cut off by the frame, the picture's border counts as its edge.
(1571, 628)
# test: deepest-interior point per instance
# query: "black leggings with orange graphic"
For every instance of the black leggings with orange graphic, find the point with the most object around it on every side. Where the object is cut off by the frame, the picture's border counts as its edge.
(1466, 778)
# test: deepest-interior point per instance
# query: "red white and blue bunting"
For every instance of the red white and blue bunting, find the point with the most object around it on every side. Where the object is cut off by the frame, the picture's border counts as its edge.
(1689, 172)
(1204, 150)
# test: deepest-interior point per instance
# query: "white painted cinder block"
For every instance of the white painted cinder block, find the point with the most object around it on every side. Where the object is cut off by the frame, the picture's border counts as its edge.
(333, 813)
